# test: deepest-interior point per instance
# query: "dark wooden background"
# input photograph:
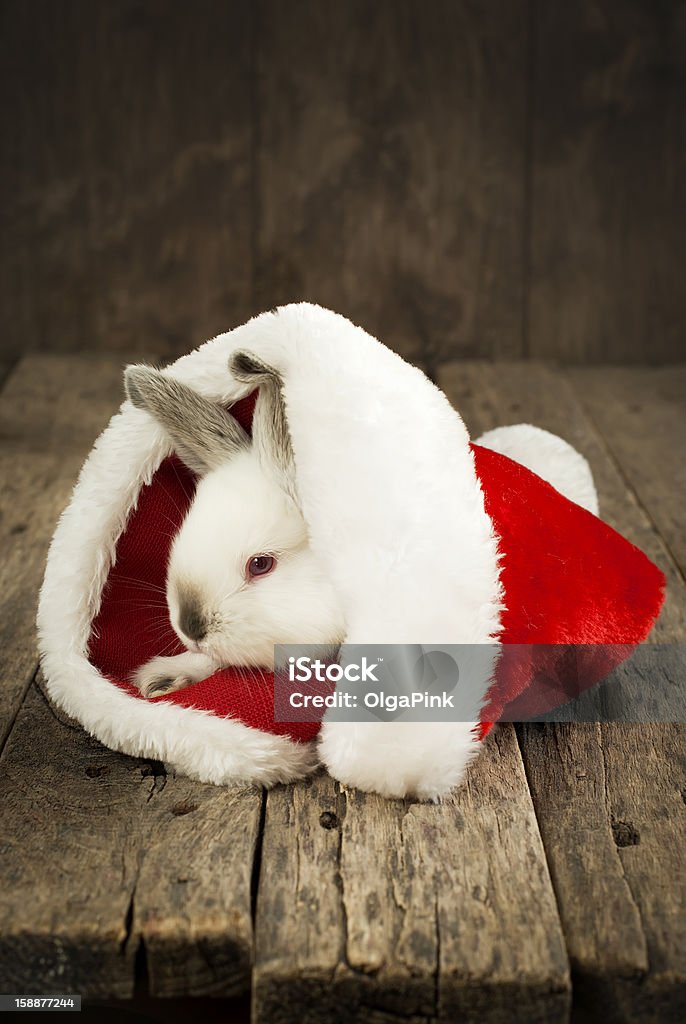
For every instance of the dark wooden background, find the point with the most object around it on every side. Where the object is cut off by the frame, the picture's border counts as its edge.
(492, 178)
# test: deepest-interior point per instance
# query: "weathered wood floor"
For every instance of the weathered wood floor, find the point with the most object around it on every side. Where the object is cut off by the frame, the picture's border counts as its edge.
(552, 887)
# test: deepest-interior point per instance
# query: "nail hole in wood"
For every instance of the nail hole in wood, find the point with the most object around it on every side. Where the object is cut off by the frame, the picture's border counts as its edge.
(178, 810)
(624, 834)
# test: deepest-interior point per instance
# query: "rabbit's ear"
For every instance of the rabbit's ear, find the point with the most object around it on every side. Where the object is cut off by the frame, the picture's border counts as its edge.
(270, 433)
(205, 436)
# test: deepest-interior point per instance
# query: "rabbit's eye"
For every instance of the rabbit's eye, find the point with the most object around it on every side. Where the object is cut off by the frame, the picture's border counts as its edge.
(259, 565)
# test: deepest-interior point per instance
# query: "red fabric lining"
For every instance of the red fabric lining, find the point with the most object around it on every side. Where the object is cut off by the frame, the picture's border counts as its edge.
(567, 576)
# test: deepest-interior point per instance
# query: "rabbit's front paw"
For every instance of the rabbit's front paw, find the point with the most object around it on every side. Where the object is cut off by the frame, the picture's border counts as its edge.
(164, 675)
(157, 677)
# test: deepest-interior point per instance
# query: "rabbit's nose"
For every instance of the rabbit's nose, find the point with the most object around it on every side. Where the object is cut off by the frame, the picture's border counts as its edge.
(193, 623)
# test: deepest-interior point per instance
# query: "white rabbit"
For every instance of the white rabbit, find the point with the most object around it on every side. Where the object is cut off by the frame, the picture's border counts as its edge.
(241, 576)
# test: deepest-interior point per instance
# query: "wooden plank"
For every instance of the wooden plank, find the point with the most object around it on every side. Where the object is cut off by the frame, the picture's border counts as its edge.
(299, 925)
(68, 861)
(595, 786)
(51, 410)
(192, 910)
(608, 219)
(6, 366)
(374, 910)
(60, 402)
(126, 173)
(32, 495)
(645, 801)
(102, 855)
(611, 820)
(391, 168)
(641, 414)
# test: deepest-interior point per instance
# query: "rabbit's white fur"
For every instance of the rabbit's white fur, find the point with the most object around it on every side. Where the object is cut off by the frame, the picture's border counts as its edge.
(241, 509)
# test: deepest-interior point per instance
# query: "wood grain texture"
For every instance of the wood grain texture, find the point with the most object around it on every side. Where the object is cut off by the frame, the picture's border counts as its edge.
(6, 366)
(391, 168)
(51, 410)
(609, 798)
(642, 418)
(68, 858)
(59, 403)
(102, 852)
(125, 173)
(32, 495)
(192, 907)
(373, 910)
(472, 179)
(608, 173)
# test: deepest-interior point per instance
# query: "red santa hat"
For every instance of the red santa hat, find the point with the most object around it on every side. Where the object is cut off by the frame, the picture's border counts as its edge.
(445, 542)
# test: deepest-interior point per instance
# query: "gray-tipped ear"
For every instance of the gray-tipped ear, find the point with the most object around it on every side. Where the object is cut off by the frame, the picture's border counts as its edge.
(270, 433)
(248, 368)
(205, 436)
